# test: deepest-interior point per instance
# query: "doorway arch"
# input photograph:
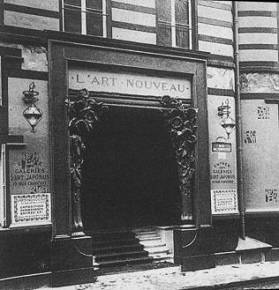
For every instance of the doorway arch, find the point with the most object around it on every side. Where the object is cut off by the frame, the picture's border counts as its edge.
(180, 120)
(129, 174)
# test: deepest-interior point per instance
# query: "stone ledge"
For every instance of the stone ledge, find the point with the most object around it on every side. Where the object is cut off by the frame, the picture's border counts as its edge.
(226, 258)
(198, 262)
(250, 244)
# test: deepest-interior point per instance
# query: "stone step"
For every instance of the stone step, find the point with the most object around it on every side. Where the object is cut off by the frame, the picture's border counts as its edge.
(152, 243)
(145, 229)
(158, 250)
(118, 249)
(121, 256)
(149, 238)
(146, 237)
(162, 257)
(142, 234)
(141, 260)
(112, 236)
(111, 243)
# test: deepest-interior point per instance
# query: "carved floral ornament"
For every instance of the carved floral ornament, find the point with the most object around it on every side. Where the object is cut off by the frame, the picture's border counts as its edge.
(259, 83)
(84, 113)
(181, 121)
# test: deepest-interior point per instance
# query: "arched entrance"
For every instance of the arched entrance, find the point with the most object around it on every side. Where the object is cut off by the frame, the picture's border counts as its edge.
(130, 174)
(136, 161)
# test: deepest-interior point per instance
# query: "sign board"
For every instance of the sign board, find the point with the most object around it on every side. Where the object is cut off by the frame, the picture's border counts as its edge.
(128, 83)
(221, 147)
(31, 209)
(223, 167)
(260, 155)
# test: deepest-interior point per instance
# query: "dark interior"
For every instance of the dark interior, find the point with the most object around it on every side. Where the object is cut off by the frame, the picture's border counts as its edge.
(130, 176)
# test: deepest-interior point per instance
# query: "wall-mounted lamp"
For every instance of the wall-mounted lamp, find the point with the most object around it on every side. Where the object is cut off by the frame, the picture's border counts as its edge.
(227, 122)
(30, 96)
(32, 113)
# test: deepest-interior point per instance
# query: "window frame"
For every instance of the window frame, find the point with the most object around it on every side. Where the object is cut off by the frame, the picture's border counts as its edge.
(83, 14)
(173, 24)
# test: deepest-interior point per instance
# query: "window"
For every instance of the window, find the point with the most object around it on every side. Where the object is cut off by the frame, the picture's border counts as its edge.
(85, 16)
(174, 23)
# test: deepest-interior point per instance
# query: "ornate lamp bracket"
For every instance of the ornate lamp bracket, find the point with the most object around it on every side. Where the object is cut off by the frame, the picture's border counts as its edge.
(181, 121)
(83, 115)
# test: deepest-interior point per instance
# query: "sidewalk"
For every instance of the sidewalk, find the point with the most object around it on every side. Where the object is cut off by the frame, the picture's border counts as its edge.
(172, 278)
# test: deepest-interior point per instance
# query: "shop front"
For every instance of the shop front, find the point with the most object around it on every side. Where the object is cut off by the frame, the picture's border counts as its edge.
(129, 145)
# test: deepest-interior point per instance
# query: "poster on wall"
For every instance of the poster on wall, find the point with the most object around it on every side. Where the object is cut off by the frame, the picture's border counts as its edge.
(30, 209)
(29, 168)
(223, 168)
(260, 155)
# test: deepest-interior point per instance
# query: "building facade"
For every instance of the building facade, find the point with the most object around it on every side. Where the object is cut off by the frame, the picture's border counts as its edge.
(119, 116)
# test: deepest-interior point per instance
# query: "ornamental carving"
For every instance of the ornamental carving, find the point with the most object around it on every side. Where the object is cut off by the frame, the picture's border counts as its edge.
(259, 83)
(83, 114)
(181, 122)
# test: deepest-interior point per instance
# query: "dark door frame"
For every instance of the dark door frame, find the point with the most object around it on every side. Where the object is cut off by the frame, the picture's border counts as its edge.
(167, 62)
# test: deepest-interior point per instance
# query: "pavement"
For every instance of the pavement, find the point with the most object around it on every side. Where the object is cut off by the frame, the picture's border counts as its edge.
(171, 278)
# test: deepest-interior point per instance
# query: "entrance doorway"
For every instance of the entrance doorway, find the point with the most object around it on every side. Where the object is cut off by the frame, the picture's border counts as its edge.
(130, 174)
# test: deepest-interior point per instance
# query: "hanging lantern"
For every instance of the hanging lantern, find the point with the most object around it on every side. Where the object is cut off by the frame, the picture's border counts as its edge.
(228, 124)
(33, 116)
(32, 113)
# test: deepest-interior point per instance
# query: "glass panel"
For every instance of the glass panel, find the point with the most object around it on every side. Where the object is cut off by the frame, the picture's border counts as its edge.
(164, 10)
(181, 12)
(94, 4)
(164, 22)
(72, 2)
(182, 23)
(164, 34)
(94, 23)
(72, 20)
(182, 36)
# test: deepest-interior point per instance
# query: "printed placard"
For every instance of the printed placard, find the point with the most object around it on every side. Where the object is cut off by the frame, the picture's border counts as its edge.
(221, 147)
(224, 201)
(31, 209)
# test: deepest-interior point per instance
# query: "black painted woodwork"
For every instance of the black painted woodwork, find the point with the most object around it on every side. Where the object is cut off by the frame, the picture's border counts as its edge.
(25, 252)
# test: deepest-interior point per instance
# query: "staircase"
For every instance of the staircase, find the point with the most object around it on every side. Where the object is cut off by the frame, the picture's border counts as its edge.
(153, 244)
(115, 249)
